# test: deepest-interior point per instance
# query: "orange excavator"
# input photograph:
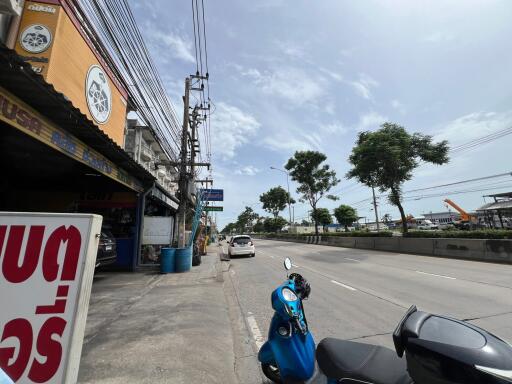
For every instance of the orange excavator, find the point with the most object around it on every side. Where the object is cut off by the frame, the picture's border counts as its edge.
(466, 220)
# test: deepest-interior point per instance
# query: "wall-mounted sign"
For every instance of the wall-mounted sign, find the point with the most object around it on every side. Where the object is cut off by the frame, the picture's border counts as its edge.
(212, 194)
(36, 38)
(53, 41)
(19, 115)
(213, 209)
(99, 97)
(47, 270)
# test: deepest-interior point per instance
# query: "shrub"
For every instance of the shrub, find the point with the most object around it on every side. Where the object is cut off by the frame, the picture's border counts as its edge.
(479, 234)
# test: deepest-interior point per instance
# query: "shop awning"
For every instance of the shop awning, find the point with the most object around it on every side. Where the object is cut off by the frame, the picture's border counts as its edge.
(18, 78)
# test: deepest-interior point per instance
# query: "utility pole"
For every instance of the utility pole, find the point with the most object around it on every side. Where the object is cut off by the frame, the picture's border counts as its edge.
(288, 189)
(375, 208)
(182, 209)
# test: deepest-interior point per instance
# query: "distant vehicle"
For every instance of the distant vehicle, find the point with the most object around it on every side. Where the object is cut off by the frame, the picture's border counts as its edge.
(107, 248)
(241, 245)
(426, 224)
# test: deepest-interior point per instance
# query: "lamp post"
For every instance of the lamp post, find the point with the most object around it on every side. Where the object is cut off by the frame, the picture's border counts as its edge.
(288, 188)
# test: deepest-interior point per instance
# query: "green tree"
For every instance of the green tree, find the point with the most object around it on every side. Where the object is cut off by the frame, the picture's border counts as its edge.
(275, 200)
(386, 159)
(314, 179)
(322, 217)
(305, 223)
(274, 224)
(258, 227)
(345, 215)
(229, 228)
(245, 219)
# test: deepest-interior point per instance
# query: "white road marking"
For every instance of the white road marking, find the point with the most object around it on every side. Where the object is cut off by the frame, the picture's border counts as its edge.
(272, 257)
(433, 274)
(295, 265)
(256, 333)
(348, 258)
(343, 285)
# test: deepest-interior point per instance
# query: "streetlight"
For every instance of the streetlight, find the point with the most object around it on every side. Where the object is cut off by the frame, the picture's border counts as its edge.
(288, 187)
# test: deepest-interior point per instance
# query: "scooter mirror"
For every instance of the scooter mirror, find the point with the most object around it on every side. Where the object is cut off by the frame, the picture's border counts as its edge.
(287, 264)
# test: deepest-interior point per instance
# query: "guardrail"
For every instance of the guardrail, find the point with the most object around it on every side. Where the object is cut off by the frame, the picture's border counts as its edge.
(470, 249)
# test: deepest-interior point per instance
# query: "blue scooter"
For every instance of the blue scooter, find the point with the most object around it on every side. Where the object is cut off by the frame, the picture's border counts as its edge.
(428, 349)
(289, 353)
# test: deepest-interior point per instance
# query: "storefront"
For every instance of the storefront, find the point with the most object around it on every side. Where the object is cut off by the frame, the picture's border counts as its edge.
(56, 160)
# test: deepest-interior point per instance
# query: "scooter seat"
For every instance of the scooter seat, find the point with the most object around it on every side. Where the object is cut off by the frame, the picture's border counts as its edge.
(350, 362)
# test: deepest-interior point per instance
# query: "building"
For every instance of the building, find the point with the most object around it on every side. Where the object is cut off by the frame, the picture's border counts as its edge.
(66, 144)
(497, 214)
(442, 218)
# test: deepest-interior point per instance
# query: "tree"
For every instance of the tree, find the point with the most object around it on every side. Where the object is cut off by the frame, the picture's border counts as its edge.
(386, 159)
(258, 227)
(229, 228)
(322, 216)
(275, 200)
(345, 215)
(245, 219)
(274, 224)
(386, 219)
(314, 179)
(305, 223)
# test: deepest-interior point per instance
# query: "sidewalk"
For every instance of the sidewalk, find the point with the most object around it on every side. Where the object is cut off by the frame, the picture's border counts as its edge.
(152, 328)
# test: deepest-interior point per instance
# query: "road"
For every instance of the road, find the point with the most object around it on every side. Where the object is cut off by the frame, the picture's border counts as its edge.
(361, 295)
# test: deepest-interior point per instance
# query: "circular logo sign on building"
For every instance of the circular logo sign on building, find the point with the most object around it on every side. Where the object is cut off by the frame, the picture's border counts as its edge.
(36, 38)
(98, 95)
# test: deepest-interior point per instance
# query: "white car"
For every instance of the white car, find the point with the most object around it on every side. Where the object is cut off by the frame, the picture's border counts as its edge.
(241, 245)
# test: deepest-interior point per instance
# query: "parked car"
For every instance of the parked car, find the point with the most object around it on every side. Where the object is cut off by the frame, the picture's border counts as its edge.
(241, 245)
(107, 249)
(426, 224)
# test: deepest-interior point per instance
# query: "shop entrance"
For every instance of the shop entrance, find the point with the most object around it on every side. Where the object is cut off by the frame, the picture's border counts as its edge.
(38, 178)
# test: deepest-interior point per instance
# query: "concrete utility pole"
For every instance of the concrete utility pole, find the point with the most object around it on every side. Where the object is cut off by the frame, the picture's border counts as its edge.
(182, 209)
(375, 208)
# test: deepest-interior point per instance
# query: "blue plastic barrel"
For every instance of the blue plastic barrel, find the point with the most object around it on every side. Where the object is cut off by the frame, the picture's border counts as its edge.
(183, 261)
(167, 260)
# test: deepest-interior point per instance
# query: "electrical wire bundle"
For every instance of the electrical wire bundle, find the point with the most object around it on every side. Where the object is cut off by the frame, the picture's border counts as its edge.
(111, 27)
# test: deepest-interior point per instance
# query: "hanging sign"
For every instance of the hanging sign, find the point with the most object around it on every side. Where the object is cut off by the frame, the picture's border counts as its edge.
(213, 194)
(47, 266)
(213, 209)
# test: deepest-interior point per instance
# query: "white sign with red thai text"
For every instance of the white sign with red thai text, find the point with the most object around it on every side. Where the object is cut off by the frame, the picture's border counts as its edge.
(46, 269)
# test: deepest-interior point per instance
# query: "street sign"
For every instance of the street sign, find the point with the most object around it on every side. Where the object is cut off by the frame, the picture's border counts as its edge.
(48, 265)
(213, 209)
(213, 194)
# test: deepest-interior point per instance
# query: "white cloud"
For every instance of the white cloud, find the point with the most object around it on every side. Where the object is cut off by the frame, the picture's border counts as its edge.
(170, 42)
(474, 125)
(291, 84)
(396, 104)
(370, 121)
(248, 170)
(363, 86)
(233, 128)
(439, 37)
(335, 128)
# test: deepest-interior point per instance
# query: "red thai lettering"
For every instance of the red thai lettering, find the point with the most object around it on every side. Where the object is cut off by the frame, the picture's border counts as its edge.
(70, 236)
(11, 269)
(21, 330)
(49, 349)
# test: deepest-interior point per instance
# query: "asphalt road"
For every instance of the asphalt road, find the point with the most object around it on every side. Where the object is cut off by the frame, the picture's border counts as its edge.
(361, 295)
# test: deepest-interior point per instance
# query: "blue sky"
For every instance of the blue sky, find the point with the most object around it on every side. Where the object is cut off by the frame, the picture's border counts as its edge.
(294, 75)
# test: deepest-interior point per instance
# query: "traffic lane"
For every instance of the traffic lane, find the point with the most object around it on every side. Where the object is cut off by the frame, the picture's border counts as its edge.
(461, 299)
(332, 310)
(490, 273)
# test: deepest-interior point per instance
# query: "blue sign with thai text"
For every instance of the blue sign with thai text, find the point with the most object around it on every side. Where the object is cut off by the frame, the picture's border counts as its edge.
(212, 194)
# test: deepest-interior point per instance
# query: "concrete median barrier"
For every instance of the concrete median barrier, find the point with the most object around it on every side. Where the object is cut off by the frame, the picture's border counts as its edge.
(365, 242)
(387, 243)
(414, 245)
(498, 250)
(459, 248)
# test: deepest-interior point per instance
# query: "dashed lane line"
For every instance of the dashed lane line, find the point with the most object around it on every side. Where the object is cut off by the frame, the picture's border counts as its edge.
(343, 285)
(348, 258)
(433, 274)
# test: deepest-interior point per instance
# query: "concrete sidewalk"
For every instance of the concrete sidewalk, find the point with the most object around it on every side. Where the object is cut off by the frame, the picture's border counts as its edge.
(152, 328)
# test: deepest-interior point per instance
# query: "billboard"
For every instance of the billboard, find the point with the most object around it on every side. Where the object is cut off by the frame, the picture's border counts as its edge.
(212, 194)
(47, 269)
(49, 38)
